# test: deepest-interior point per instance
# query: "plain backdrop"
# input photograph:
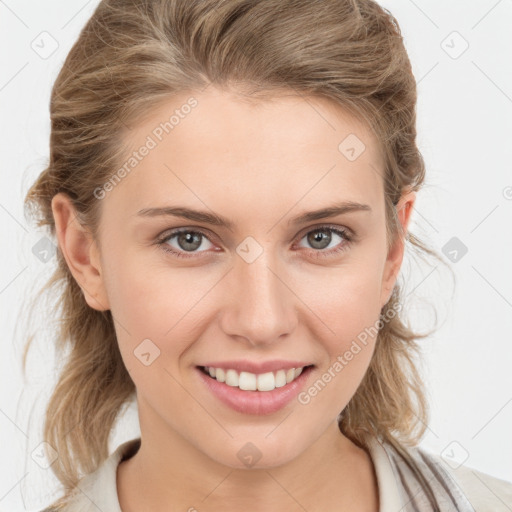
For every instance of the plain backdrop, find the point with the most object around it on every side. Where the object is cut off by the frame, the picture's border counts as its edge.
(461, 54)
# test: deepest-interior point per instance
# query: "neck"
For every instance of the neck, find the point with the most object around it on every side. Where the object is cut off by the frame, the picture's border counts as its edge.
(167, 470)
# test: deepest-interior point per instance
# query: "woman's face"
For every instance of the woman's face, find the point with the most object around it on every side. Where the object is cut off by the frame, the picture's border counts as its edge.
(273, 288)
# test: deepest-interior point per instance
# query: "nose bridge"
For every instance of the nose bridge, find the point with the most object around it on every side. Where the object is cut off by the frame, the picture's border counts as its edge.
(260, 308)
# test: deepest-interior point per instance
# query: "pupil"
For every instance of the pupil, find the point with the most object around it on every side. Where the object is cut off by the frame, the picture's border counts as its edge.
(188, 238)
(317, 238)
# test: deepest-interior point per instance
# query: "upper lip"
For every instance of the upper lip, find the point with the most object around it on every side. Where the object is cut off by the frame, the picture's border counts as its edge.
(257, 367)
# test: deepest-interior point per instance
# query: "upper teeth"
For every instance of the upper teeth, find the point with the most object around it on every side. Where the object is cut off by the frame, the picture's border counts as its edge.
(251, 381)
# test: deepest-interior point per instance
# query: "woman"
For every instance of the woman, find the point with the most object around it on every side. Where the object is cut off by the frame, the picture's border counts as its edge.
(230, 185)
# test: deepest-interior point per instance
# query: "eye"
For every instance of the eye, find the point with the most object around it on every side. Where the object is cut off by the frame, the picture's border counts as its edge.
(321, 237)
(187, 240)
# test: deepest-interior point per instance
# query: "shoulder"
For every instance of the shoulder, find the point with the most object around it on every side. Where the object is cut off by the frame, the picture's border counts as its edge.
(485, 492)
(461, 485)
(97, 490)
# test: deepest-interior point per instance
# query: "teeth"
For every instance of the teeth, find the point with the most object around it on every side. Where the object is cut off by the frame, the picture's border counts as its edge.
(232, 378)
(247, 381)
(280, 378)
(266, 382)
(252, 382)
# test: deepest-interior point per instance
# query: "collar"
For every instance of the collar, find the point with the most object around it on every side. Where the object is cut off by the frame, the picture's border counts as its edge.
(100, 487)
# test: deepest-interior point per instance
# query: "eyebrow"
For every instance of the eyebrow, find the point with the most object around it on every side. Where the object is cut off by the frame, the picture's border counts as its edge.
(217, 220)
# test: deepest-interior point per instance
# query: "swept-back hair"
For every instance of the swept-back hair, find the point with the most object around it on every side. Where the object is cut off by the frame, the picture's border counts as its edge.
(133, 55)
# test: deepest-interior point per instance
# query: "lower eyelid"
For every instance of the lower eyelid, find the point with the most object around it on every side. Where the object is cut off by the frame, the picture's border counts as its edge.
(342, 232)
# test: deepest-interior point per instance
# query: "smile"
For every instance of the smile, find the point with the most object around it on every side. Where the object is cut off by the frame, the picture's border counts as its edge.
(254, 393)
(248, 381)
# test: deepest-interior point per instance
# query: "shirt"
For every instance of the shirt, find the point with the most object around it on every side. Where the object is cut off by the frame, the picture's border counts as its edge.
(463, 489)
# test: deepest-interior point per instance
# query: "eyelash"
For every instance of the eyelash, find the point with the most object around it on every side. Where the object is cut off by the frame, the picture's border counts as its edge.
(319, 253)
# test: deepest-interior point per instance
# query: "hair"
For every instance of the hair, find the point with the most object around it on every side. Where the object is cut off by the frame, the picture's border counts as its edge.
(134, 55)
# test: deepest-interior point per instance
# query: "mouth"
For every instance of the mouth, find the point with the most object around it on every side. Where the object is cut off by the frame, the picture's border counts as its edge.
(254, 393)
(248, 381)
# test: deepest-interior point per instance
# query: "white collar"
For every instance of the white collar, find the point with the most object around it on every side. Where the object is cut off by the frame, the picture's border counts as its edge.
(100, 487)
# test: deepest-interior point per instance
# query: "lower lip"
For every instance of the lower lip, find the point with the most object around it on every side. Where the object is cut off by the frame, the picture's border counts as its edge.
(256, 402)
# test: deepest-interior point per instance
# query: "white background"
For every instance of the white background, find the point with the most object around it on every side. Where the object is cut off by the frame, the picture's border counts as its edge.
(465, 134)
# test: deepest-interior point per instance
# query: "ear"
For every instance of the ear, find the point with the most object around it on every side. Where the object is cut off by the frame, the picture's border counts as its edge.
(80, 252)
(396, 252)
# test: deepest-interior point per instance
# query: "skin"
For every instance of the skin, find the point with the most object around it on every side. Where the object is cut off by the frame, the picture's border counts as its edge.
(257, 165)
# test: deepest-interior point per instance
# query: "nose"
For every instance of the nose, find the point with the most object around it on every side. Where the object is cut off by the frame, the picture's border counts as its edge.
(260, 308)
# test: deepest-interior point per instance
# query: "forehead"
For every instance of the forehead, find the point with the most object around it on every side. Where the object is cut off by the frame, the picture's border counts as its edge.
(213, 146)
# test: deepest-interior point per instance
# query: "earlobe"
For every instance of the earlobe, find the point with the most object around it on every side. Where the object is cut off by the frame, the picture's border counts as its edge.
(80, 252)
(404, 210)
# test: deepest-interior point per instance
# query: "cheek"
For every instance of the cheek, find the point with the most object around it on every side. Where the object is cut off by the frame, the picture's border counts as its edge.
(347, 298)
(155, 303)
(347, 301)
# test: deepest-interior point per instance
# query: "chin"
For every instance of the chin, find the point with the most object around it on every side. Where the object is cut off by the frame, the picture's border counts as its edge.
(257, 454)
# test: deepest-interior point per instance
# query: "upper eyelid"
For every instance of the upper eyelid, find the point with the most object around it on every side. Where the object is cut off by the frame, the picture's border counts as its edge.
(205, 231)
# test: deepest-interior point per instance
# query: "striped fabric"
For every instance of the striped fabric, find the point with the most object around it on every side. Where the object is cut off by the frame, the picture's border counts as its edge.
(414, 498)
(399, 488)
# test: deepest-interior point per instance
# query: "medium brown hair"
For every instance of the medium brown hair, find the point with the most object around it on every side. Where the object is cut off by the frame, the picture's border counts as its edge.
(131, 56)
